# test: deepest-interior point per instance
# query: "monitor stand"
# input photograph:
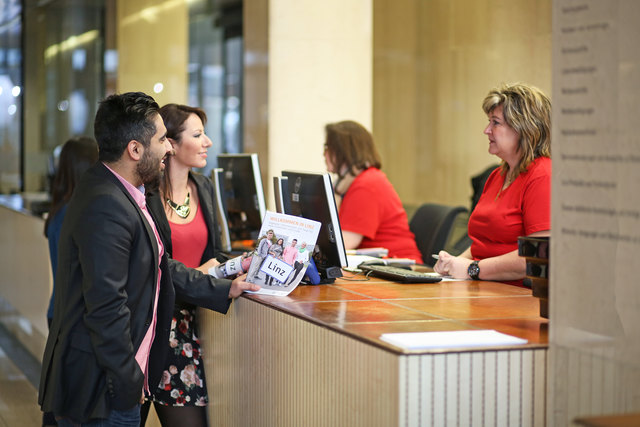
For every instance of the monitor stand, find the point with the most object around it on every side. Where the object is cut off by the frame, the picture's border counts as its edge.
(329, 274)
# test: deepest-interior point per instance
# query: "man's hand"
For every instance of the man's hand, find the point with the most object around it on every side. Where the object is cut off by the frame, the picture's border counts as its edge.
(239, 285)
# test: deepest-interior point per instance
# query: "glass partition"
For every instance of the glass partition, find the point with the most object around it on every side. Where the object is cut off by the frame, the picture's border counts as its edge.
(11, 93)
(70, 63)
(72, 36)
(215, 72)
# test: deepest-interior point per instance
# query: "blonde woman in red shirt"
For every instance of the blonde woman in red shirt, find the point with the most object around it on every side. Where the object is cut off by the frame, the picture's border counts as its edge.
(516, 200)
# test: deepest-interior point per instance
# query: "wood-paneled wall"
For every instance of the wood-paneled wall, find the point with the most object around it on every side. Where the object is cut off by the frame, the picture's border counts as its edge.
(434, 62)
(152, 42)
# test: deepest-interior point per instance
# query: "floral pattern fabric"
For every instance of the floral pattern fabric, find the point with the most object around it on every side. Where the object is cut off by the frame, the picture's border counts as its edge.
(183, 382)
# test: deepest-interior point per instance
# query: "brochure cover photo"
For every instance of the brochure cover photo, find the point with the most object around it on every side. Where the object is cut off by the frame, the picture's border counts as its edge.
(282, 253)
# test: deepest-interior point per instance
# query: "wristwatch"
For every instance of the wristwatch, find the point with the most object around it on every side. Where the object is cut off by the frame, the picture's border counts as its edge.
(474, 270)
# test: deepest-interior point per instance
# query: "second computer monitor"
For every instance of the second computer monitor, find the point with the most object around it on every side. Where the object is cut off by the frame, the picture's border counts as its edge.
(243, 197)
(310, 195)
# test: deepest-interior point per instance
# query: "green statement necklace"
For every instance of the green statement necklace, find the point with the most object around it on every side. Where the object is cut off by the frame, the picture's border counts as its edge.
(181, 210)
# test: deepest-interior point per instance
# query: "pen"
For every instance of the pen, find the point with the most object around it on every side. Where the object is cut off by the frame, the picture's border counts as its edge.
(435, 256)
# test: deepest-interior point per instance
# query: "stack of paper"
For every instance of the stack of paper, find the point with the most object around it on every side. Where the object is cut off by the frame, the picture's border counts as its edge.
(450, 339)
(375, 252)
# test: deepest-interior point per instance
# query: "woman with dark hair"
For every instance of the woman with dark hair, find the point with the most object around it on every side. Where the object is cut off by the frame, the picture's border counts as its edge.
(516, 200)
(76, 156)
(277, 249)
(184, 210)
(370, 211)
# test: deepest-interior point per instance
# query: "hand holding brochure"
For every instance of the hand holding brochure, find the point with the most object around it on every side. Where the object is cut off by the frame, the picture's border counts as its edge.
(282, 253)
(229, 268)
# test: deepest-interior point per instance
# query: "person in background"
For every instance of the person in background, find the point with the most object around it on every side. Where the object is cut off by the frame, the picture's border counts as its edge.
(260, 254)
(516, 200)
(370, 211)
(277, 251)
(115, 285)
(277, 248)
(184, 208)
(302, 259)
(290, 252)
(289, 256)
(76, 156)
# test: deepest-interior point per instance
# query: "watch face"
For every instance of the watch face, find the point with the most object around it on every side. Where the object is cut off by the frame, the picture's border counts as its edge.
(474, 270)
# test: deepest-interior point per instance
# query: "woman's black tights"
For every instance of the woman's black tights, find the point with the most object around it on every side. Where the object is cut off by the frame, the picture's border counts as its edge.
(176, 416)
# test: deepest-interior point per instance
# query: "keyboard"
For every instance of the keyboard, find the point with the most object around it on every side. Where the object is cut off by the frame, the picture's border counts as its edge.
(398, 274)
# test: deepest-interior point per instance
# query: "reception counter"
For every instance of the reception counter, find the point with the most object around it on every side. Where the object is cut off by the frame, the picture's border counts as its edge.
(26, 282)
(315, 357)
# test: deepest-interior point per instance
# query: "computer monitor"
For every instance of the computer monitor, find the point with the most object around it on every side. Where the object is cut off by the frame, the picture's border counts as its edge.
(280, 191)
(217, 177)
(310, 195)
(242, 197)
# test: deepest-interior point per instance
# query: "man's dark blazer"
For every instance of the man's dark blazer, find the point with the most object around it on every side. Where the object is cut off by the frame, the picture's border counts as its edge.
(105, 283)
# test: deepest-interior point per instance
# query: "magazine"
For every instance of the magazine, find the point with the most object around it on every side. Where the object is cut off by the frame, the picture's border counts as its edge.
(282, 252)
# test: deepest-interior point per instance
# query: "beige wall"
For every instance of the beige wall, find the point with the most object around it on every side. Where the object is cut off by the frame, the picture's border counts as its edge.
(434, 61)
(414, 72)
(152, 43)
(256, 78)
(320, 71)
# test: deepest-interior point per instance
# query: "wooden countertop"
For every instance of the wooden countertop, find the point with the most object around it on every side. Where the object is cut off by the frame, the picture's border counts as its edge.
(365, 309)
(625, 420)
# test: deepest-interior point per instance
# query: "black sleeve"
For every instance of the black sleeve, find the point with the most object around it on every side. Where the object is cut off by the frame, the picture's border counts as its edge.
(200, 289)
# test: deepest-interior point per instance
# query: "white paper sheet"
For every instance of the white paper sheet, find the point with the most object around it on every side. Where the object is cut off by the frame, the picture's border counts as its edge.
(450, 339)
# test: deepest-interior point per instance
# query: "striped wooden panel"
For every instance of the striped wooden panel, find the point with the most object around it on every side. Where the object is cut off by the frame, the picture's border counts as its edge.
(267, 368)
(474, 389)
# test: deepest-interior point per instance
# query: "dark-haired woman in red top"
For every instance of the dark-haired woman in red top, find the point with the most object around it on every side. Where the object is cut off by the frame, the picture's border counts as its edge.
(370, 211)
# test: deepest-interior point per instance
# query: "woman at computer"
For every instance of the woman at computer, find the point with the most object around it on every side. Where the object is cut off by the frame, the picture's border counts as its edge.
(370, 211)
(516, 198)
(183, 208)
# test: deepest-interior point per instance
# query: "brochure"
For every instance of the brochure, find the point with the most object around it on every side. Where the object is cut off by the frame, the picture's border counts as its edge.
(281, 255)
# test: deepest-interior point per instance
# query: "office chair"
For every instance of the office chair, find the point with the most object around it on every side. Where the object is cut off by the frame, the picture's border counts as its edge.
(477, 184)
(432, 225)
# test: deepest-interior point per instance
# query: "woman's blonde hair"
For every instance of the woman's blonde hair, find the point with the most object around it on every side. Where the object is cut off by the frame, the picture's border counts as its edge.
(528, 111)
(351, 145)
